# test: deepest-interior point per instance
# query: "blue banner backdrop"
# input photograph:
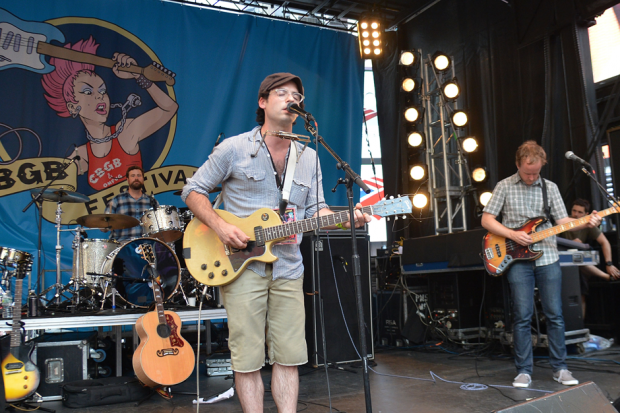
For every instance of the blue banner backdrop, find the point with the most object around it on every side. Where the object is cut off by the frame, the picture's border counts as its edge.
(219, 60)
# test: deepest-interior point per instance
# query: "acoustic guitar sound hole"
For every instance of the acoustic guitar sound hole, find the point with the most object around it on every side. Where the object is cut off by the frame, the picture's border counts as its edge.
(163, 330)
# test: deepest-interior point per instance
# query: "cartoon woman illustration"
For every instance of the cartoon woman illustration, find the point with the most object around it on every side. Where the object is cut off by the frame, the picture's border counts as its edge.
(74, 89)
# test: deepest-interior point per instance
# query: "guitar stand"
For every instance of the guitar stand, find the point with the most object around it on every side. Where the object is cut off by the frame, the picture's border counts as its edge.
(23, 406)
(155, 390)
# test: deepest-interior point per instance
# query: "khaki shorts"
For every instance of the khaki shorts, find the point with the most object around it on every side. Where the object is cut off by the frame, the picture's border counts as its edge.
(259, 308)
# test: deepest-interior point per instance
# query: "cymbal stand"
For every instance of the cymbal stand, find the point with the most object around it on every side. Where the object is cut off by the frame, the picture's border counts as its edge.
(58, 250)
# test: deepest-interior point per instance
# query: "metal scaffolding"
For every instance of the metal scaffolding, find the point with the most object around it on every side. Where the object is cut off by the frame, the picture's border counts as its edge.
(447, 167)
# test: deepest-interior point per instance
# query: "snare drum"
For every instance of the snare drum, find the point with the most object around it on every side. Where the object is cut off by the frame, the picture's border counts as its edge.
(162, 223)
(132, 272)
(12, 257)
(92, 253)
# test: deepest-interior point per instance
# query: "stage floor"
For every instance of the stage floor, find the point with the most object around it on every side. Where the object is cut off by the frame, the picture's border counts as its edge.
(412, 391)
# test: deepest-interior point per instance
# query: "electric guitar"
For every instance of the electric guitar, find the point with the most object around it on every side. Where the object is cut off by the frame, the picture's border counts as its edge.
(24, 45)
(20, 374)
(213, 263)
(498, 253)
(163, 356)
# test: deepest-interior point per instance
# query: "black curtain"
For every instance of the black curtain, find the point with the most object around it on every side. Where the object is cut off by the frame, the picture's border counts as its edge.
(522, 78)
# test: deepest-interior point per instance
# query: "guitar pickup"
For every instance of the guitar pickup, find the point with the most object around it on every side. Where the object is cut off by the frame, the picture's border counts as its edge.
(498, 250)
(488, 252)
(14, 366)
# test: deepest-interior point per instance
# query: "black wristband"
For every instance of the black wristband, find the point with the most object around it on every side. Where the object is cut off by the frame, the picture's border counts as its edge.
(609, 263)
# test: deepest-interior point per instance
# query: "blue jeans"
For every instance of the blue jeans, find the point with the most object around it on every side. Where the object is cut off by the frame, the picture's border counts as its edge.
(522, 277)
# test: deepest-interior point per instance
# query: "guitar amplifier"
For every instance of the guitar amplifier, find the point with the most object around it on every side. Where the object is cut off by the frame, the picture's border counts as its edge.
(63, 358)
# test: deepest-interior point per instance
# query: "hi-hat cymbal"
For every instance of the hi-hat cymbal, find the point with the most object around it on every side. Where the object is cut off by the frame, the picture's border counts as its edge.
(213, 191)
(60, 195)
(109, 221)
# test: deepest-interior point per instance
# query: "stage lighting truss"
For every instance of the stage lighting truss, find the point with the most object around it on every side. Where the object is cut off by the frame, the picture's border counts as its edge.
(479, 174)
(370, 37)
(418, 172)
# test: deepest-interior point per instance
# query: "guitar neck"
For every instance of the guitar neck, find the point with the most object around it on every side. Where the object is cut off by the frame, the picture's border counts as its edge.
(81, 57)
(17, 314)
(159, 307)
(558, 229)
(310, 224)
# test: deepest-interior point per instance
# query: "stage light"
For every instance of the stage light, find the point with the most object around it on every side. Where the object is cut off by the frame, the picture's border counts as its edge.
(417, 172)
(408, 84)
(441, 62)
(370, 32)
(451, 90)
(485, 197)
(420, 200)
(459, 119)
(415, 139)
(470, 144)
(413, 114)
(479, 174)
(407, 58)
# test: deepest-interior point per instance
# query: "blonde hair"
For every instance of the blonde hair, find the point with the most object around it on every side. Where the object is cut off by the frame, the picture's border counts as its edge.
(531, 152)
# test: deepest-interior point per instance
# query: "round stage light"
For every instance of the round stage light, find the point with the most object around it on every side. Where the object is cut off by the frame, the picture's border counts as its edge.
(415, 139)
(459, 118)
(365, 34)
(470, 145)
(420, 200)
(366, 42)
(412, 114)
(377, 52)
(367, 51)
(479, 174)
(407, 58)
(374, 25)
(451, 90)
(485, 197)
(376, 42)
(417, 172)
(375, 34)
(408, 84)
(364, 25)
(441, 62)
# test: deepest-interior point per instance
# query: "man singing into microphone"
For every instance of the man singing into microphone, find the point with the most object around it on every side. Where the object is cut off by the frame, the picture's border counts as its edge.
(265, 303)
(133, 202)
(519, 198)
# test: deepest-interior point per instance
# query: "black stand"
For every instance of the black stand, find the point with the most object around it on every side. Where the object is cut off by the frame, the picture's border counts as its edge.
(23, 406)
(610, 198)
(38, 198)
(351, 178)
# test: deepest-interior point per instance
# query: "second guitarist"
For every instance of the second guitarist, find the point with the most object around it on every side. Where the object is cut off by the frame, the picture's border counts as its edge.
(519, 198)
(265, 303)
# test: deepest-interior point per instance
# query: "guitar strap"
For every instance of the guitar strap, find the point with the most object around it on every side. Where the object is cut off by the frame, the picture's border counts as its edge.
(288, 178)
(546, 206)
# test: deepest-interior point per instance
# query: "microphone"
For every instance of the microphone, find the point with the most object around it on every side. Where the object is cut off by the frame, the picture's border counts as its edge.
(296, 109)
(217, 141)
(153, 202)
(342, 260)
(77, 158)
(570, 155)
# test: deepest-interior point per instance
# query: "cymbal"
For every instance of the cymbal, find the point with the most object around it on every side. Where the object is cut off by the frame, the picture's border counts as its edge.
(213, 191)
(109, 221)
(60, 195)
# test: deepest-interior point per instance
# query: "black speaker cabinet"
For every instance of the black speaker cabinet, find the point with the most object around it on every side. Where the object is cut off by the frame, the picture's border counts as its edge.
(586, 397)
(337, 290)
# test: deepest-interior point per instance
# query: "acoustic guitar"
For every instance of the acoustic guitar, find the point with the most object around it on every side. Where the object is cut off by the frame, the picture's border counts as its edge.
(213, 263)
(24, 45)
(163, 357)
(20, 374)
(498, 252)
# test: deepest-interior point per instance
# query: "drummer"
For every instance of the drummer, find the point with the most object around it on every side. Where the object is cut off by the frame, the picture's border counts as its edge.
(134, 202)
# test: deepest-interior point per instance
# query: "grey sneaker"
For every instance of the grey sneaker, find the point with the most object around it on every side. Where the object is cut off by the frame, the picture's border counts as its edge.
(522, 380)
(565, 377)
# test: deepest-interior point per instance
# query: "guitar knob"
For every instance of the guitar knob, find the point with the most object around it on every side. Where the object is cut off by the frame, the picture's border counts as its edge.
(225, 273)
(25, 386)
(211, 275)
(203, 267)
(217, 263)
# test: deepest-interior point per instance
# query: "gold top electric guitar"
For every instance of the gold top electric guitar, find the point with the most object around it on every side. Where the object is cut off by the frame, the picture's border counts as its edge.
(213, 263)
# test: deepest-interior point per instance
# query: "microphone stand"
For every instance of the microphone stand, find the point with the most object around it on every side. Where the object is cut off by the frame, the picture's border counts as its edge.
(351, 178)
(604, 191)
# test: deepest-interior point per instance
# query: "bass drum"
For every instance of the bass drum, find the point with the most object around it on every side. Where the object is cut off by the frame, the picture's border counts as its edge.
(129, 269)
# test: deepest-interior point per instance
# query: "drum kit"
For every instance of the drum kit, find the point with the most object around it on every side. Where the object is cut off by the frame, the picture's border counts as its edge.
(108, 274)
